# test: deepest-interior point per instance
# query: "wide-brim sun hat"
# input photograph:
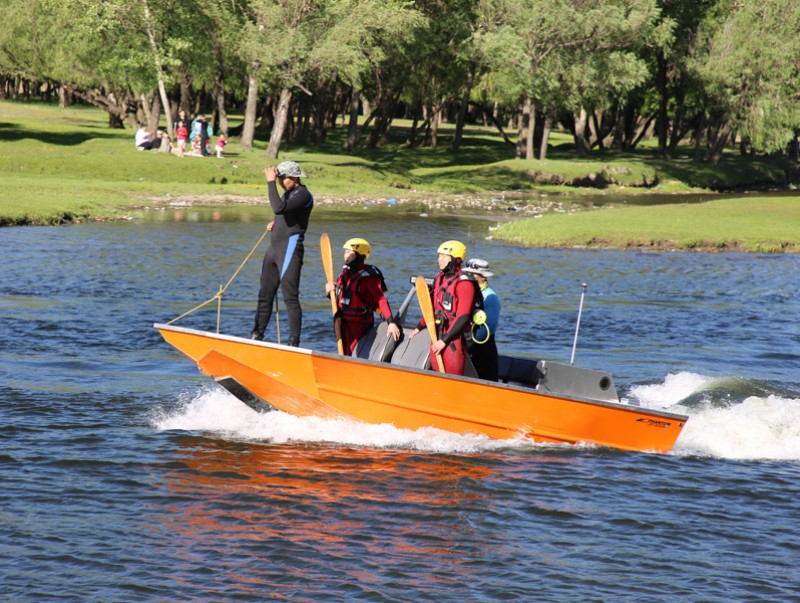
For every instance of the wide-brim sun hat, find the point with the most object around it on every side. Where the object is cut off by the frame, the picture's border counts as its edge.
(290, 169)
(477, 266)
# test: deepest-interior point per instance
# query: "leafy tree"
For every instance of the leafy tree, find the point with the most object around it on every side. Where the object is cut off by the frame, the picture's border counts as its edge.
(749, 61)
(564, 55)
(358, 40)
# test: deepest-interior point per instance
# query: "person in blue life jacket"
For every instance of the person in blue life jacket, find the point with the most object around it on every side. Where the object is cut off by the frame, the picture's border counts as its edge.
(481, 347)
(284, 257)
(202, 129)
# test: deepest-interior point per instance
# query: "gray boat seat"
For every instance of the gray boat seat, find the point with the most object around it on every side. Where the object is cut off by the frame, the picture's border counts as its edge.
(519, 371)
(416, 353)
(413, 352)
(376, 344)
(567, 380)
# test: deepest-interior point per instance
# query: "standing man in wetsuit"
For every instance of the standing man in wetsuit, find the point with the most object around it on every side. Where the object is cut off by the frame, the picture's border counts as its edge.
(360, 292)
(284, 258)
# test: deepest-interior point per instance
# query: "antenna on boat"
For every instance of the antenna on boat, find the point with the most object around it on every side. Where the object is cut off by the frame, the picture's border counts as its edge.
(578, 324)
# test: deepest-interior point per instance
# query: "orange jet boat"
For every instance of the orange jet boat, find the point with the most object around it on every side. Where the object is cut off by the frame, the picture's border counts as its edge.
(387, 383)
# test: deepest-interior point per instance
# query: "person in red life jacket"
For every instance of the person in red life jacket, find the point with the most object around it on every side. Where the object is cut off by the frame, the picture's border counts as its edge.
(360, 292)
(454, 302)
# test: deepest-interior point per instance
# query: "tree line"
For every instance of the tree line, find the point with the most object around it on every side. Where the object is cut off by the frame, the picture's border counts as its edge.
(611, 72)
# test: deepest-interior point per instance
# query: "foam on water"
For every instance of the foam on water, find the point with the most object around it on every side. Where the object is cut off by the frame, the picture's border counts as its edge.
(764, 427)
(217, 411)
(755, 427)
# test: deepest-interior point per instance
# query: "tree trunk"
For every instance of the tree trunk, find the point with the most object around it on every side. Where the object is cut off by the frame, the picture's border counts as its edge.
(162, 89)
(151, 111)
(412, 135)
(698, 137)
(526, 124)
(645, 130)
(115, 122)
(281, 116)
(548, 126)
(492, 116)
(794, 147)
(679, 126)
(251, 106)
(352, 127)
(531, 127)
(434, 130)
(221, 117)
(462, 111)
(64, 97)
(186, 92)
(596, 131)
(661, 87)
(581, 120)
(383, 119)
(719, 139)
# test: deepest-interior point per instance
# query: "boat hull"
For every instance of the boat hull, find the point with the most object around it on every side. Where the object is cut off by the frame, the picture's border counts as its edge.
(311, 383)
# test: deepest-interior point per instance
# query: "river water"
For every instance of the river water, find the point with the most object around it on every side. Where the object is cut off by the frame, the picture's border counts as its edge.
(128, 476)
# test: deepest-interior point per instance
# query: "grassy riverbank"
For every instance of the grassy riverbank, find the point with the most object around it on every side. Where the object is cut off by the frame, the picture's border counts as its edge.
(754, 224)
(66, 165)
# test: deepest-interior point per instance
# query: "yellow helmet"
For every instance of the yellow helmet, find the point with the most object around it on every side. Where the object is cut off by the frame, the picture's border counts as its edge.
(360, 246)
(455, 249)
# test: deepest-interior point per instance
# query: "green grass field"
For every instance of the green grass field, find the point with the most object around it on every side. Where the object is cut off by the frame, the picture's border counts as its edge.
(755, 224)
(66, 165)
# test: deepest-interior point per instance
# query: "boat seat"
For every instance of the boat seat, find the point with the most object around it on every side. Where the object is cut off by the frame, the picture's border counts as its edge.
(376, 345)
(416, 353)
(518, 370)
(568, 380)
(469, 368)
(413, 352)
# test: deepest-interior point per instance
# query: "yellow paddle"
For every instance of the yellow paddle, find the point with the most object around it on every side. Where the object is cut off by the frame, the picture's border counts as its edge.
(327, 264)
(426, 305)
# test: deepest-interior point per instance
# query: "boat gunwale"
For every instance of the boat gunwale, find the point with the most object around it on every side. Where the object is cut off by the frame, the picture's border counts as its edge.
(426, 373)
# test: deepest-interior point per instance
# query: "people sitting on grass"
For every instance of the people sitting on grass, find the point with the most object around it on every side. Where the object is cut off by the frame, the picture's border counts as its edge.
(142, 139)
(147, 142)
(199, 135)
(197, 148)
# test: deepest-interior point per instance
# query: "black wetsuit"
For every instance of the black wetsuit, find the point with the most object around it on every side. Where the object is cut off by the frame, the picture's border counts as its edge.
(284, 259)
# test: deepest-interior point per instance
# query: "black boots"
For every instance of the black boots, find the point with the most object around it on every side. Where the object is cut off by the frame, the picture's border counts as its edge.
(293, 341)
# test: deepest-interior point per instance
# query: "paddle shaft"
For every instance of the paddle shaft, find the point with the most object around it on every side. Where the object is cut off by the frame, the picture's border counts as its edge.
(426, 305)
(327, 265)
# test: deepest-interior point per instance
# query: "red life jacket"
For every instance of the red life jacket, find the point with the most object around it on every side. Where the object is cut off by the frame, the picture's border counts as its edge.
(444, 289)
(351, 306)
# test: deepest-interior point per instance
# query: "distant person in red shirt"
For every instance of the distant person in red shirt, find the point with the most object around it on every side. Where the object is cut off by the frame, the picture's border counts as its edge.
(360, 291)
(221, 142)
(181, 135)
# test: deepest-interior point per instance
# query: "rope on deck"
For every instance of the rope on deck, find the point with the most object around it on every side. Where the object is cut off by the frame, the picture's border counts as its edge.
(222, 288)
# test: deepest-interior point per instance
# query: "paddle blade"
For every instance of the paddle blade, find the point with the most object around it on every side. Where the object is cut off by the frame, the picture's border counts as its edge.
(426, 305)
(327, 256)
(327, 265)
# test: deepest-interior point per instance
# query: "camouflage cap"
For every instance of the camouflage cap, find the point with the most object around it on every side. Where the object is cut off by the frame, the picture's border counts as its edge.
(477, 266)
(291, 169)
